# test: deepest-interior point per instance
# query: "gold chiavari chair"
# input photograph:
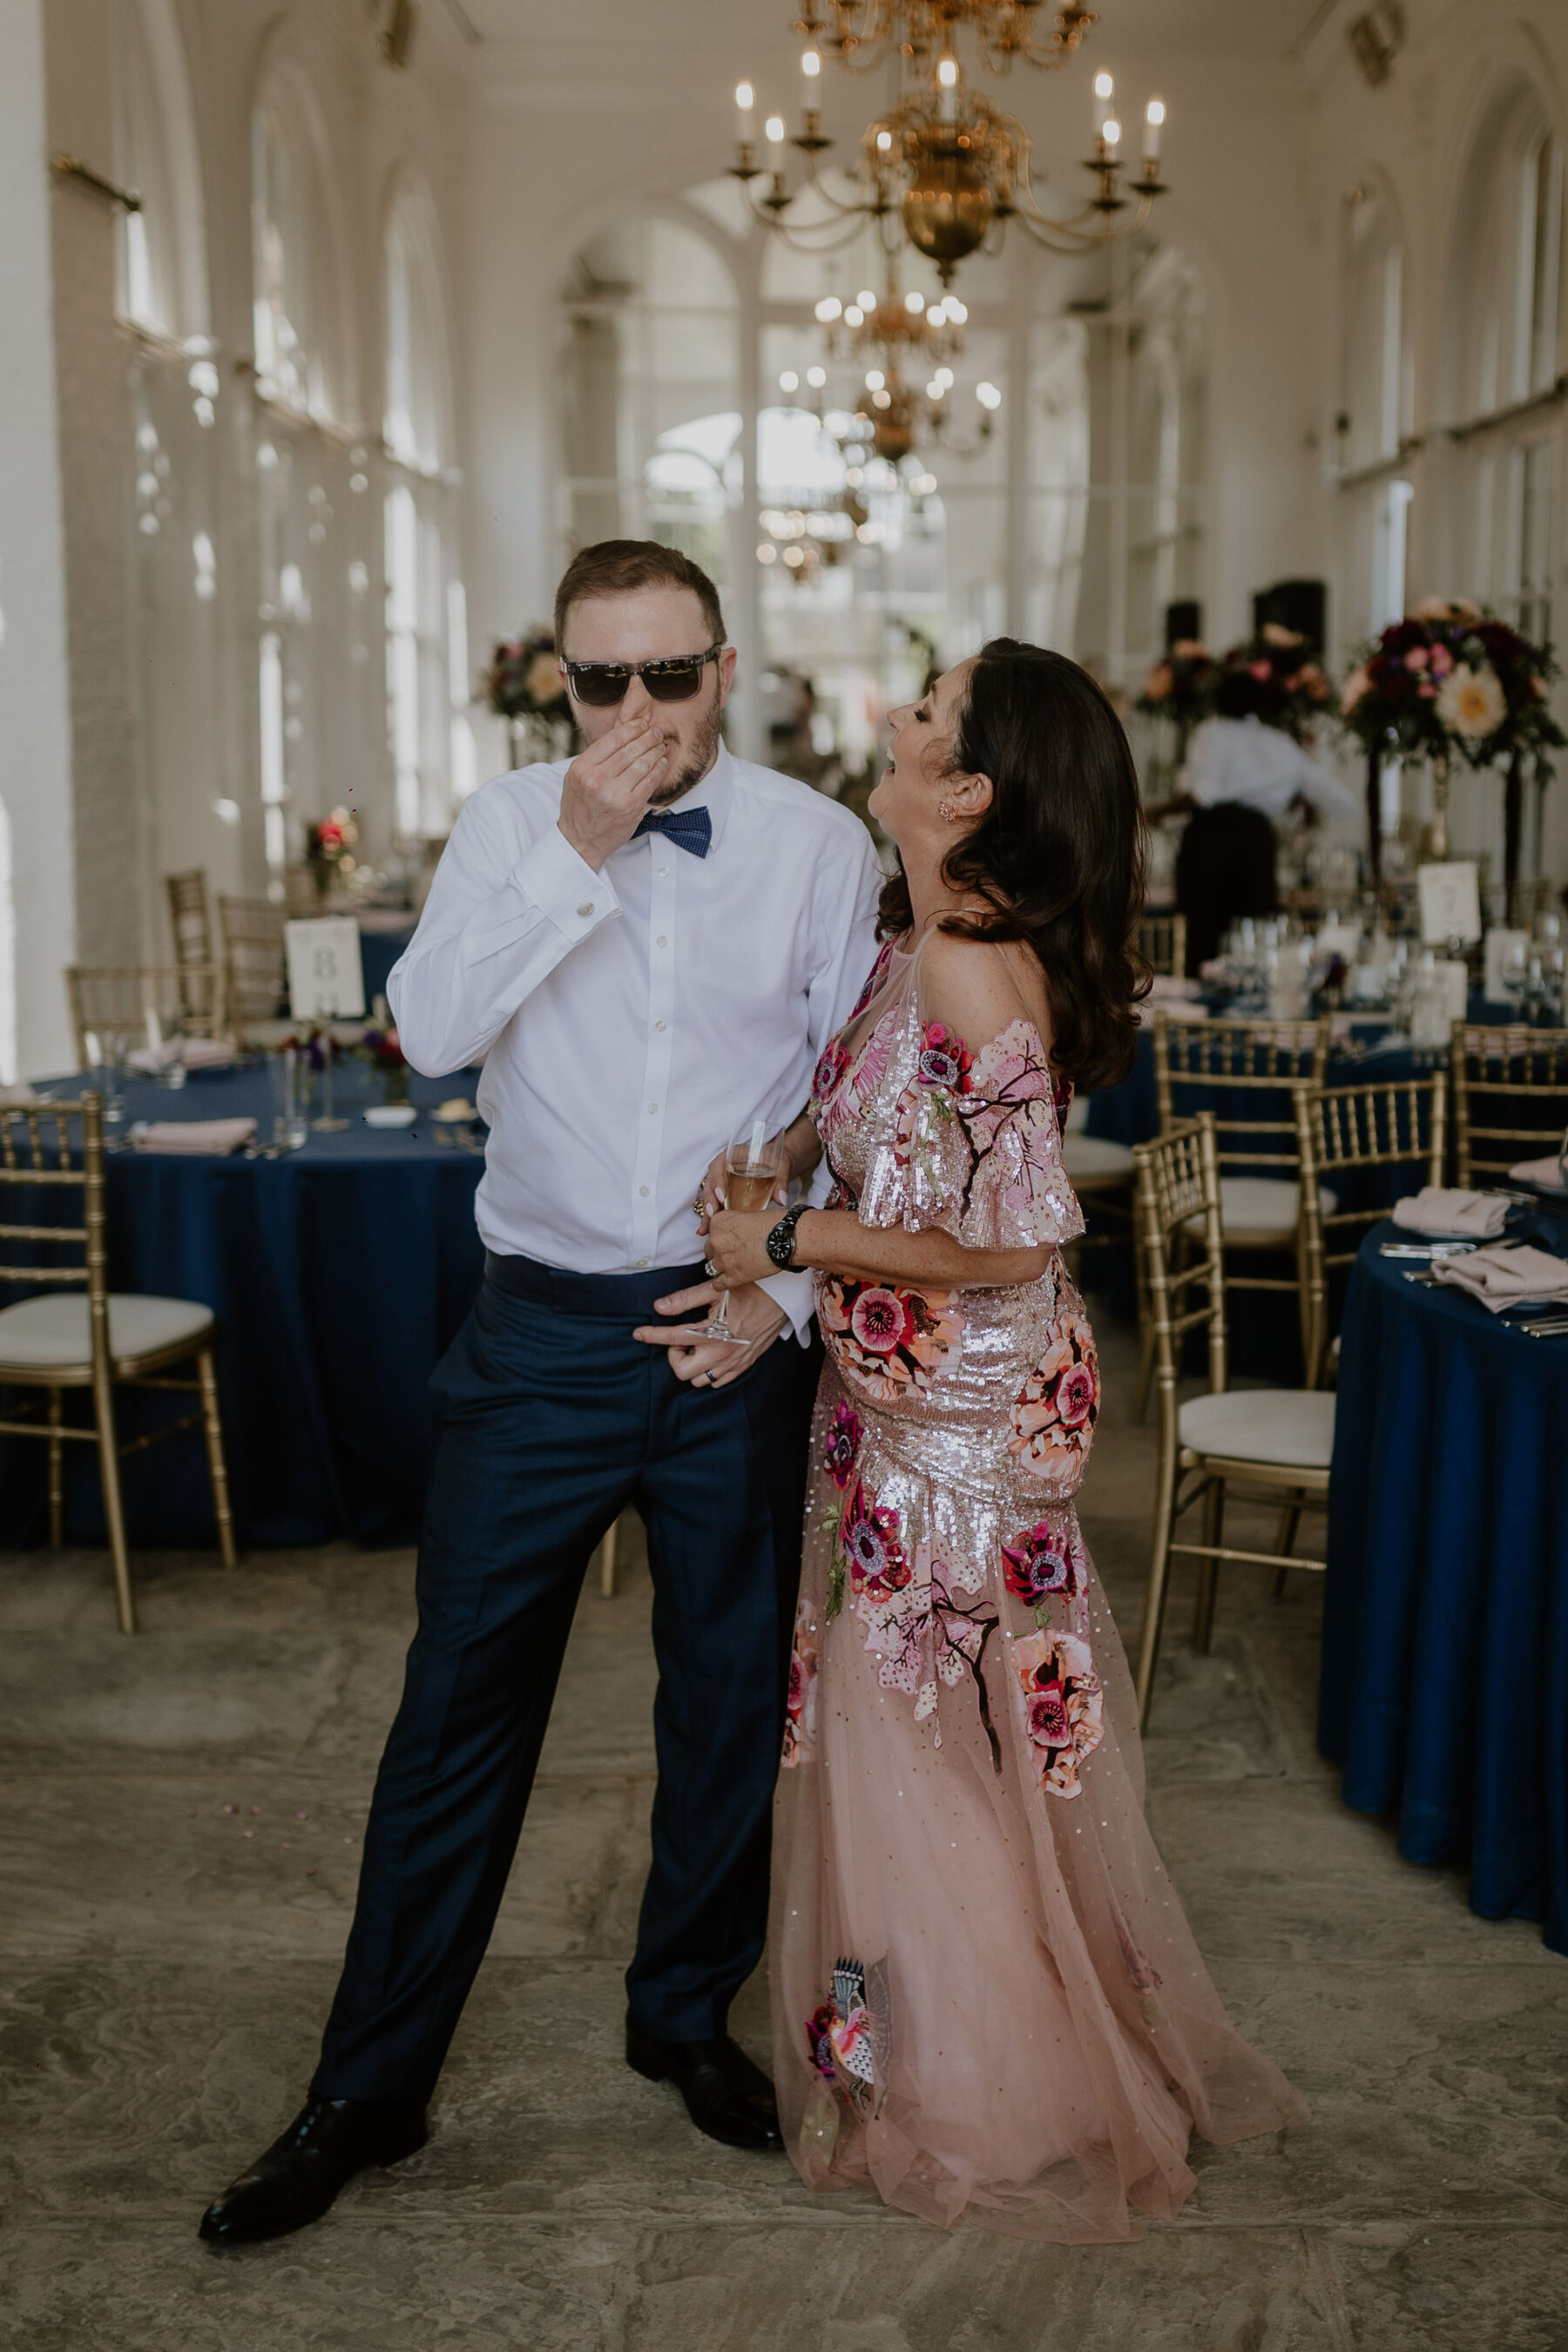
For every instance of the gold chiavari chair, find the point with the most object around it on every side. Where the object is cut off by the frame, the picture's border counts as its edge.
(1342, 1130)
(1511, 1097)
(189, 919)
(1271, 1445)
(301, 899)
(72, 1334)
(1245, 1072)
(255, 975)
(1164, 941)
(114, 1000)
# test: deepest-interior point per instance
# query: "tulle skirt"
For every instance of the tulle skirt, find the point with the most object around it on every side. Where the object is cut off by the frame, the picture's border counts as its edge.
(986, 2000)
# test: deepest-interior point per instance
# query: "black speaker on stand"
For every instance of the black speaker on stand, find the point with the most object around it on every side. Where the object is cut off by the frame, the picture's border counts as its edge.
(1299, 604)
(1183, 620)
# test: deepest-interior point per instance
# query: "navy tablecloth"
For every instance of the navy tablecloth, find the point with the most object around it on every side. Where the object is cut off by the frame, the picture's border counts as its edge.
(378, 951)
(1445, 1674)
(338, 1275)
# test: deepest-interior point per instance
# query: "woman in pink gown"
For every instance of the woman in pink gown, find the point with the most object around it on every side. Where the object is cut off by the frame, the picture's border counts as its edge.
(986, 2000)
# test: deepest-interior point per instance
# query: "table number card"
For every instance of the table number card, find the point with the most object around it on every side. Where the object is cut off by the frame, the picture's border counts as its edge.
(1450, 903)
(326, 978)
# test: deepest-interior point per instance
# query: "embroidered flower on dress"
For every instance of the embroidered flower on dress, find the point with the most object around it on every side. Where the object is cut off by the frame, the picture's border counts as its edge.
(872, 1545)
(1053, 1413)
(800, 1718)
(841, 1445)
(1062, 1708)
(831, 1066)
(1044, 1563)
(820, 2039)
(944, 1059)
(890, 1341)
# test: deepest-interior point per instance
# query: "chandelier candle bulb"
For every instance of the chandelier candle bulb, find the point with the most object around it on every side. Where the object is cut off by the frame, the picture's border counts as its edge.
(829, 308)
(810, 64)
(914, 301)
(1154, 117)
(745, 101)
(774, 131)
(1111, 134)
(1104, 90)
(866, 301)
(947, 86)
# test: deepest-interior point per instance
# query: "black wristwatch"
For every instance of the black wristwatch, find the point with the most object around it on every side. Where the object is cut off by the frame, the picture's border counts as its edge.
(781, 1241)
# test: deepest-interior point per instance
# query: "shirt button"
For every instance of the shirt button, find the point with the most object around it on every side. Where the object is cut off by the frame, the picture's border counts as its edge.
(641, 1263)
(661, 1025)
(663, 873)
(661, 941)
(642, 1192)
(653, 1111)
(588, 908)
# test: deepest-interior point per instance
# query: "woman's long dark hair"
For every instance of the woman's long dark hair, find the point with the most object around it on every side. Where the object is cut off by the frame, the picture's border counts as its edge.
(1058, 857)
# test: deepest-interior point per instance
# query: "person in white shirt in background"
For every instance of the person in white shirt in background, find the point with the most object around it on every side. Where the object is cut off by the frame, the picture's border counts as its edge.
(648, 947)
(1242, 776)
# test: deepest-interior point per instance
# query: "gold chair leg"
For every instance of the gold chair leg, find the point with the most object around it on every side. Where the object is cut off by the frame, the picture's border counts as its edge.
(607, 1560)
(211, 1426)
(1208, 1569)
(1154, 1597)
(1289, 1523)
(56, 1472)
(113, 1511)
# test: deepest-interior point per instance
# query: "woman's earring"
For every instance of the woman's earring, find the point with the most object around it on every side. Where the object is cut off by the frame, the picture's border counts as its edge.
(946, 811)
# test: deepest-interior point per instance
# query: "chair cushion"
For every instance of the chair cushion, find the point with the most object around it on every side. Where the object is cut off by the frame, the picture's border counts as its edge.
(50, 1334)
(1094, 1158)
(1252, 1208)
(1295, 1426)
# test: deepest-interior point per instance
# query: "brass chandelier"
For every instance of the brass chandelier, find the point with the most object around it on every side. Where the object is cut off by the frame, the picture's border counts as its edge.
(906, 340)
(942, 163)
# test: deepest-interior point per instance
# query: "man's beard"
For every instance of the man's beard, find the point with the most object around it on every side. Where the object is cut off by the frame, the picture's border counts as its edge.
(699, 760)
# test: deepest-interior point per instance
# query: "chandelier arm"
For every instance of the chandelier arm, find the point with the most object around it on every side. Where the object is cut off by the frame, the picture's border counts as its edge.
(831, 237)
(862, 208)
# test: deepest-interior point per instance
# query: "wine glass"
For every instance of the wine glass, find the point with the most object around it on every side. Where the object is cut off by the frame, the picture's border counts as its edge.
(754, 1163)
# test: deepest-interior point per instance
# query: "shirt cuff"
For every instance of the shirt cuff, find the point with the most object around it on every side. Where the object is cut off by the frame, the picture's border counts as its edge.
(796, 1294)
(563, 886)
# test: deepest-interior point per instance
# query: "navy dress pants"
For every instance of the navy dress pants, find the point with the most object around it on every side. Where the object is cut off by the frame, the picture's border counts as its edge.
(552, 1420)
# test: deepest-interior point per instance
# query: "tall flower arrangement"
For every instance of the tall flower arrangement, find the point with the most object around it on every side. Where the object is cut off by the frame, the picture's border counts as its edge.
(1296, 691)
(523, 685)
(1181, 689)
(1452, 679)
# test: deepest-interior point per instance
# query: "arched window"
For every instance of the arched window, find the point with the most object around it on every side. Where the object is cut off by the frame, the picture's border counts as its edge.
(1373, 425)
(1503, 340)
(427, 688)
(296, 298)
(160, 250)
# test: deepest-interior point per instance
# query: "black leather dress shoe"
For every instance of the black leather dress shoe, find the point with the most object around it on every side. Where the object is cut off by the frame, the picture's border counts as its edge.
(726, 2095)
(328, 2142)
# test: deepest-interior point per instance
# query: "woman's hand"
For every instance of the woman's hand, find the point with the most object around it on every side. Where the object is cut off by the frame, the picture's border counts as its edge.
(737, 1246)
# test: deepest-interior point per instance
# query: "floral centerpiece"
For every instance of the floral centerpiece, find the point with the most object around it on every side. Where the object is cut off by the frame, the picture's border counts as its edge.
(1453, 679)
(328, 843)
(523, 684)
(381, 1049)
(1295, 690)
(1181, 689)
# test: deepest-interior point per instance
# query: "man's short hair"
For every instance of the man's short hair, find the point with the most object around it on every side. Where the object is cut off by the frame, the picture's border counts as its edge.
(615, 567)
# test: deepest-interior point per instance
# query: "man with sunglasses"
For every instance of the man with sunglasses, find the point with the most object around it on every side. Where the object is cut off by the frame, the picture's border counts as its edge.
(647, 945)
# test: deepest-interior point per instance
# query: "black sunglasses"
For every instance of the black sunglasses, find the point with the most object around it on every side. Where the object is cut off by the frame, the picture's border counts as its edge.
(601, 684)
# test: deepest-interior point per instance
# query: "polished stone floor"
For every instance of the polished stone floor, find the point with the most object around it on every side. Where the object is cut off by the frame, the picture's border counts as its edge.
(180, 1819)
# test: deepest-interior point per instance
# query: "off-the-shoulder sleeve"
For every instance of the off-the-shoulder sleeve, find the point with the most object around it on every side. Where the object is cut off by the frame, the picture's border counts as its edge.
(976, 1148)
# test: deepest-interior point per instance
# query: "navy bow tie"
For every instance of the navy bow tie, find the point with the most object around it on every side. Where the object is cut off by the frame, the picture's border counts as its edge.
(688, 828)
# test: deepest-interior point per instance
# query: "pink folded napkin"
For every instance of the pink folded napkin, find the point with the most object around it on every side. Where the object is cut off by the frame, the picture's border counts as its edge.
(1505, 1277)
(1547, 1171)
(1442, 1208)
(194, 1135)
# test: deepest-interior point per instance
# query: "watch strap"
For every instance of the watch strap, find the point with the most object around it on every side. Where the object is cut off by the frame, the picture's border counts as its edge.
(780, 1242)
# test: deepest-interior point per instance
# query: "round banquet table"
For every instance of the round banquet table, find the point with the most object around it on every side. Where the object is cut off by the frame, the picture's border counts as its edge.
(1444, 1671)
(338, 1273)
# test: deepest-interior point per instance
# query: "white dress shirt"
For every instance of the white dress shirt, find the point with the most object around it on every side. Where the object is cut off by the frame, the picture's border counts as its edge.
(1262, 767)
(632, 1021)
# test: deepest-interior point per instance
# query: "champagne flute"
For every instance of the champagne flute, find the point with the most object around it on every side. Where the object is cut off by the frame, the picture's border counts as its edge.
(754, 1163)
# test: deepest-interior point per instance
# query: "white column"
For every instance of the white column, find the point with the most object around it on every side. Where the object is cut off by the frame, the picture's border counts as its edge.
(34, 683)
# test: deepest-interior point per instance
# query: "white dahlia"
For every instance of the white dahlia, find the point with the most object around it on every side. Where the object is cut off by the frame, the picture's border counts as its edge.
(1472, 702)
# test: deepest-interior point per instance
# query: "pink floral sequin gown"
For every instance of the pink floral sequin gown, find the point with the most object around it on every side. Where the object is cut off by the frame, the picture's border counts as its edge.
(986, 2000)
